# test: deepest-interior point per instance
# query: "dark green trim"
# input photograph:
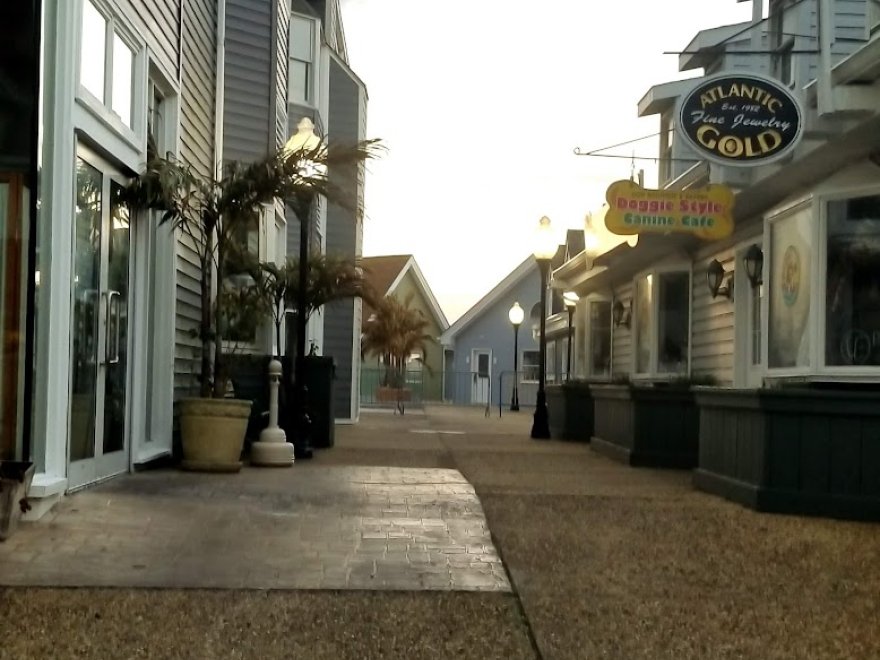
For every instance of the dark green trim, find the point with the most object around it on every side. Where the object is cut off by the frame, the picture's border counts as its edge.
(799, 451)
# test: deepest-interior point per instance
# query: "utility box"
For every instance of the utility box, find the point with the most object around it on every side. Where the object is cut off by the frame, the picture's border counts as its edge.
(319, 374)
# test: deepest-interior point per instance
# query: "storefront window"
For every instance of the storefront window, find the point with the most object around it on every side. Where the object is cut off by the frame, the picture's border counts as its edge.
(789, 327)
(662, 323)
(642, 330)
(600, 339)
(672, 344)
(852, 311)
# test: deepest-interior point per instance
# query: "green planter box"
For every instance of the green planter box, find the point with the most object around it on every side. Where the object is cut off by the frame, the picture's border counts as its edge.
(801, 451)
(570, 408)
(646, 426)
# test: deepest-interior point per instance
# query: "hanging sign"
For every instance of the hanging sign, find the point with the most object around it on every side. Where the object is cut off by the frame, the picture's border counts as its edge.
(740, 119)
(703, 212)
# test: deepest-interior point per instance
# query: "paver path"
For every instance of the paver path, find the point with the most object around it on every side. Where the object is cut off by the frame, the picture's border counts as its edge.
(328, 527)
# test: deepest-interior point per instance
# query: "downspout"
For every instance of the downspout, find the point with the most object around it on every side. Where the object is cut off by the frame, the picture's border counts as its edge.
(824, 94)
(219, 87)
(757, 19)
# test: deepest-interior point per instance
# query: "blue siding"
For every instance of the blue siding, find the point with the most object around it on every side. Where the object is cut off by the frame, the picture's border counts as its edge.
(492, 330)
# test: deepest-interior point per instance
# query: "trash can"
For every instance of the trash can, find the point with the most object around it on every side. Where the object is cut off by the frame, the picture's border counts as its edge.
(319, 373)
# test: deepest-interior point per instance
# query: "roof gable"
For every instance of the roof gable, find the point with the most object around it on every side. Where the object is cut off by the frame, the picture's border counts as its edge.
(527, 267)
(385, 273)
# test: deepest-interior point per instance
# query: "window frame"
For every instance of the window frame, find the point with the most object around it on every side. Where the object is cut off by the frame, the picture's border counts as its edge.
(118, 24)
(537, 365)
(313, 66)
(817, 289)
(588, 339)
(819, 316)
(653, 373)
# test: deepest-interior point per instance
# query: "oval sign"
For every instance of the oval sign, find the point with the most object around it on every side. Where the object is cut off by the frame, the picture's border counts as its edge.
(740, 119)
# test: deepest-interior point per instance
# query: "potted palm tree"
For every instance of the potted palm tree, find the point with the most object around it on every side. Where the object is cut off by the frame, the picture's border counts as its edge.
(395, 332)
(330, 277)
(211, 213)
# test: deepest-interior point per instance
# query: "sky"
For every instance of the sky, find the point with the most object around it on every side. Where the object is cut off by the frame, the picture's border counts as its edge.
(481, 105)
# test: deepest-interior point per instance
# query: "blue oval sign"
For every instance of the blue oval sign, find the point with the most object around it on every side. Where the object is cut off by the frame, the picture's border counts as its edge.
(740, 119)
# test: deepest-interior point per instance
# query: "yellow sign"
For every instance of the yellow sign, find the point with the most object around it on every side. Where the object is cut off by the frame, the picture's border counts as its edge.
(703, 212)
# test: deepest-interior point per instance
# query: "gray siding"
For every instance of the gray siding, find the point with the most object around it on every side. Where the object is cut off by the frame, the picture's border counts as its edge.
(198, 90)
(342, 319)
(248, 85)
(491, 330)
(161, 19)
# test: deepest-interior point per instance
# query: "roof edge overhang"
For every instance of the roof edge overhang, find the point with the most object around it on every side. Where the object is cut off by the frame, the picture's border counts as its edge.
(708, 44)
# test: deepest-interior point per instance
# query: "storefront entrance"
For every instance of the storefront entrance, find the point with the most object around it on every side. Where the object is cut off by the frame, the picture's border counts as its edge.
(99, 445)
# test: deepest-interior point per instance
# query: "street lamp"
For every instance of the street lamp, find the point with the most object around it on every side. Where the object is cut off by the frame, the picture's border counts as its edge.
(305, 146)
(545, 249)
(570, 298)
(516, 315)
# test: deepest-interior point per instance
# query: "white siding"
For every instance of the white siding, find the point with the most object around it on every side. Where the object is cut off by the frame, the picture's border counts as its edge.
(621, 336)
(712, 336)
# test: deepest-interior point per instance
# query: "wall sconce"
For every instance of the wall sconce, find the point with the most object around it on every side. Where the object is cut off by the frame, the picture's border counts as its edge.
(714, 278)
(754, 261)
(621, 315)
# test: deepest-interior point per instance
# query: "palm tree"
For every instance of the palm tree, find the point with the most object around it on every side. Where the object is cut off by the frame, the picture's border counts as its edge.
(211, 212)
(395, 332)
(331, 277)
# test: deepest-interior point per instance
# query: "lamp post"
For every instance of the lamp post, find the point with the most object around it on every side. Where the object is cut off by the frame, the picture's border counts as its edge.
(304, 145)
(570, 299)
(544, 251)
(516, 315)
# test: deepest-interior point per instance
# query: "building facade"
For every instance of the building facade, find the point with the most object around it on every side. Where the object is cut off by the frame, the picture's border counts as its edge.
(324, 88)
(479, 346)
(99, 305)
(91, 294)
(803, 326)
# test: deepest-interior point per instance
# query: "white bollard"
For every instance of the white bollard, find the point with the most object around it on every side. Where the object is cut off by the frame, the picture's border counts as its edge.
(272, 449)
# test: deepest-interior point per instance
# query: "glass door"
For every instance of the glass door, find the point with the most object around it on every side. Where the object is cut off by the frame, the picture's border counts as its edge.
(99, 324)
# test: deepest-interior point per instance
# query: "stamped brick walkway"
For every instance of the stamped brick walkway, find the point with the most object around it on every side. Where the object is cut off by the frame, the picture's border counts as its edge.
(308, 527)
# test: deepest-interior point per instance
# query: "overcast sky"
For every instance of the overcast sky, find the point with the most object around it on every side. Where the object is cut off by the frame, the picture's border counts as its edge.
(481, 105)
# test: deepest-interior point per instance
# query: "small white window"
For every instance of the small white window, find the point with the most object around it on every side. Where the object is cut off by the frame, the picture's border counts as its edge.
(93, 42)
(531, 361)
(302, 60)
(106, 63)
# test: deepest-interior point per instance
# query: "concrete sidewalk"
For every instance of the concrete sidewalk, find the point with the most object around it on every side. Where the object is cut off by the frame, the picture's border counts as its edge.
(605, 561)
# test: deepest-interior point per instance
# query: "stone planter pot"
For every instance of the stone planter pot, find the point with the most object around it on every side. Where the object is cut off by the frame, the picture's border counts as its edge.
(802, 451)
(570, 407)
(212, 433)
(646, 426)
(15, 480)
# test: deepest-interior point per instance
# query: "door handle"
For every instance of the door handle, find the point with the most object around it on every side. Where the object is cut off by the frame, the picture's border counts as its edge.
(111, 344)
